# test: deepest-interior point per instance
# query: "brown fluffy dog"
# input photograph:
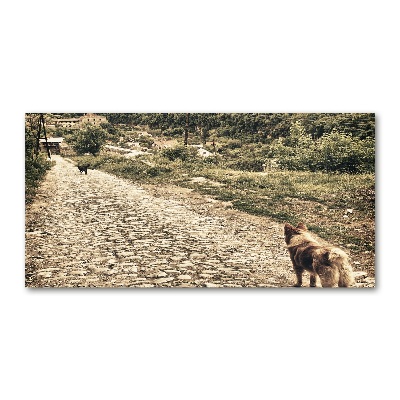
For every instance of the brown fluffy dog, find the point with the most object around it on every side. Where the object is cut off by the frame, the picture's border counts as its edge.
(307, 253)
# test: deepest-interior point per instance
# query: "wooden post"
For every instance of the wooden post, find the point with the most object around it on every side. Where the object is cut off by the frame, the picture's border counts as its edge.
(38, 137)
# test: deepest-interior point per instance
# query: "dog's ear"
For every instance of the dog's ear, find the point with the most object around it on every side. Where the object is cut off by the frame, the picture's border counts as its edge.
(288, 228)
(301, 226)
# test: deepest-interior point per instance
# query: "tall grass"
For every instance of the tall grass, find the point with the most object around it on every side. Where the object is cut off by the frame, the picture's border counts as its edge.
(35, 170)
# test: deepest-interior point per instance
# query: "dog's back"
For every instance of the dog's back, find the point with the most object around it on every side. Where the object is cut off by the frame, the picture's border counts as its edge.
(339, 259)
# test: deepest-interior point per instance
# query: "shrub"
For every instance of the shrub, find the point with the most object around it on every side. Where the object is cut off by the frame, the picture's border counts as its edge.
(146, 141)
(334, 152)
(36, 166)
(232, 144)
(35, 169)
(174, 132)
(338, 152)
(251, 164)
(180, 152)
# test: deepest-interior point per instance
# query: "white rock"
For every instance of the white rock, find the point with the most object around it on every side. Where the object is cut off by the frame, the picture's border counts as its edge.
(185, 277)
(360, 274)
(163, 280)
(211, 285)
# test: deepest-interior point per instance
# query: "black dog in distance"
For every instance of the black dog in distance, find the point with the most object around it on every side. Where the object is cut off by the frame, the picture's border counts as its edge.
(83, 168)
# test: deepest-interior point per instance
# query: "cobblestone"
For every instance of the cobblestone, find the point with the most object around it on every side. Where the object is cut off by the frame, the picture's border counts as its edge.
(98, 230)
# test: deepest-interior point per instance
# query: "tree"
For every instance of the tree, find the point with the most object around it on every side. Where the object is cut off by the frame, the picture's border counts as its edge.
(90, 139)
(111, 129)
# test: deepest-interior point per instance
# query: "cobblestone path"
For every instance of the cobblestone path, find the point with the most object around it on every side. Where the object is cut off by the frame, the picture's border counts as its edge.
(97, 230)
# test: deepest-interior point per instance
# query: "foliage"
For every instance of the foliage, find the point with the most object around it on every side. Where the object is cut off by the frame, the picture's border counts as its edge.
(230, 144)
(36, 166)
(180, 152)
(146, 141)
(254, 126)
(63, 132)
(89, 139)
(334, 152)
(332, 142)
(247, 164)
(112, 131)
(174, 132)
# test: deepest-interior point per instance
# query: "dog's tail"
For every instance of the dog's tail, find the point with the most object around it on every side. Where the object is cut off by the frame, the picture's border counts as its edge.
(338, 258)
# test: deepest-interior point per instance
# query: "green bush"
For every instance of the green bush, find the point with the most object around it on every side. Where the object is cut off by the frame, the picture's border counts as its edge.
(334, 152)
(180, 152)
(174, 132)
(251, 164)
(231, 144)
(36, 166)
(146, 141)
(35, 169)
(344, 153)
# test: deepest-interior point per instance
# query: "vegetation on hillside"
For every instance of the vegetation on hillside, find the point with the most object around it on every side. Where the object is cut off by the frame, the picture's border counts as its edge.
(89, 139)
(251, 141)
(315, 142)
(253, 127)
(36, 165)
